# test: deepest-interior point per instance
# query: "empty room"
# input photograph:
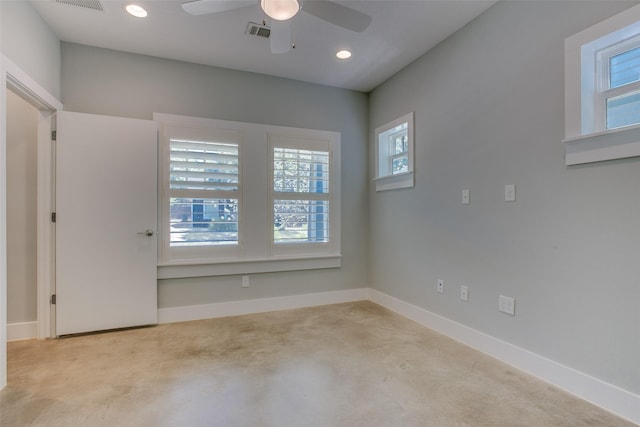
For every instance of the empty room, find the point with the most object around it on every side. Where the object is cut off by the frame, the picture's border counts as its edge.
(319, 213)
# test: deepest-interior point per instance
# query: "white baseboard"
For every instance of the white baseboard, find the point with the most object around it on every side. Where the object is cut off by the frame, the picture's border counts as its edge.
(22, 331)
(235, 308)
(607, 396)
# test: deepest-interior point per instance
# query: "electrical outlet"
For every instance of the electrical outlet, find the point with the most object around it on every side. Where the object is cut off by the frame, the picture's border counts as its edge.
(440, 286)
(507, 305)
(510, 193)
(465, 197)
(464, 293)
(245, 281)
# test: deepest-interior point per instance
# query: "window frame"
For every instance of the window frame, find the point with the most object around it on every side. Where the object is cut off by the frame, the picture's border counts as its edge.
(311, 144)
(253, 253)
(384, 178)
(586, 137)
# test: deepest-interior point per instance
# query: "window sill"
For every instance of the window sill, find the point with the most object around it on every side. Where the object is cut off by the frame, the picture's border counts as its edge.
(598, 147)
(248, 266)
(391, 182)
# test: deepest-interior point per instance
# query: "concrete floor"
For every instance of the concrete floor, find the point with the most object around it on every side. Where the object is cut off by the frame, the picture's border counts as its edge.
(353, 364)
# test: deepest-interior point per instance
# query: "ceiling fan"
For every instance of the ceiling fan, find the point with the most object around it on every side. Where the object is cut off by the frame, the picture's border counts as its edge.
(281, 13)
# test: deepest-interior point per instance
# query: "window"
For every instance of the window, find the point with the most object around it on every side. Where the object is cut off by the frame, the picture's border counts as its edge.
(301, 194)
(602, 90)
(202, 193)
(394, 154)
(203, 184)
(239, 198)
(620, 92)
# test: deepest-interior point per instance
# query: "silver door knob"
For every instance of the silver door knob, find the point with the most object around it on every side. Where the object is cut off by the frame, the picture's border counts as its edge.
(146, 233)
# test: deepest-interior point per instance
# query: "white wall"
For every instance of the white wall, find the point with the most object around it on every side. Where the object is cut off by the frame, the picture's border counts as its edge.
(107, 82)
(29, 42)
(489, 111)
(22, 139)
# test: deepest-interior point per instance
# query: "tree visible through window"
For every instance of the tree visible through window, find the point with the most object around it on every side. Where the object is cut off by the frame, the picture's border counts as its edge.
(301, 196)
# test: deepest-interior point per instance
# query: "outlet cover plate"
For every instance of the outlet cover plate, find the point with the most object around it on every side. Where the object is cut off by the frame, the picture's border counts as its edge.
(464, 293)
(510, 193)
(465, 197)
(507, 305)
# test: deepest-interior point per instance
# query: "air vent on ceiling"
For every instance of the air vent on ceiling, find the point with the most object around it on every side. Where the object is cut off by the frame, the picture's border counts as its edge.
(87, 4)
(258, 30)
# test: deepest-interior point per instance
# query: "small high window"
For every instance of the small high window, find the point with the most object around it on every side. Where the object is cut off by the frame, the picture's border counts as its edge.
(394, 154)
(602, 90)
(621, 91)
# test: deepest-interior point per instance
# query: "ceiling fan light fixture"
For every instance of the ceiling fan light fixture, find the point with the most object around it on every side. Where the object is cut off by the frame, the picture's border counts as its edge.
(136, 10)
(280, 10)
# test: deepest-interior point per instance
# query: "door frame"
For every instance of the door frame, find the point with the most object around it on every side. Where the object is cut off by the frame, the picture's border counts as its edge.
(14, 78)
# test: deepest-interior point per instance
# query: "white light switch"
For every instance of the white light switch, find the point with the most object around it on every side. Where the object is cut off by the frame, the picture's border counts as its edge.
(465, 197)
(510, 193)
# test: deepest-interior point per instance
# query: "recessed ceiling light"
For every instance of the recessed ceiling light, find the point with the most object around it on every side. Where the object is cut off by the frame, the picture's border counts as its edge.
(135, 10)
(343, 54)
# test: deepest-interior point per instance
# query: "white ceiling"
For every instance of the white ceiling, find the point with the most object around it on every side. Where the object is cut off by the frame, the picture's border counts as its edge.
(400, 32)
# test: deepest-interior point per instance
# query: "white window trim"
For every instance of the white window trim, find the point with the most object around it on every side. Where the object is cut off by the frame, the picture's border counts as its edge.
(399, 180)
(253, 256)
(585, 141)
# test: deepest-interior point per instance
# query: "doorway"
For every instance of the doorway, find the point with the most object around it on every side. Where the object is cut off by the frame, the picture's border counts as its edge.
(21, 178)
(16, 80)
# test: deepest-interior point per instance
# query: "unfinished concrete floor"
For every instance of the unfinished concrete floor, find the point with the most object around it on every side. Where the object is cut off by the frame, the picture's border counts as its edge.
(353, 364)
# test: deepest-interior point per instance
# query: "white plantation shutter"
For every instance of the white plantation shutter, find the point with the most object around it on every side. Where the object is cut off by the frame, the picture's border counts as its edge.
(200, 165)
(204, 188)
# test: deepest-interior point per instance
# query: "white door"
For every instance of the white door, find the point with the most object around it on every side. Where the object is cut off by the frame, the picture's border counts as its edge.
(106, 204)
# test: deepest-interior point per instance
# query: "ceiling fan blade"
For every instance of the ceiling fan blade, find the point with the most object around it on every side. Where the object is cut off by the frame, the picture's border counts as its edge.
(337, 14)
(280, 36)
(204, 7)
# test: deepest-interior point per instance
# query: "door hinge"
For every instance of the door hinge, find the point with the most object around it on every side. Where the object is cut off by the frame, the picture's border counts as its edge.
(54, 135)
(53, 299)
(53, 217)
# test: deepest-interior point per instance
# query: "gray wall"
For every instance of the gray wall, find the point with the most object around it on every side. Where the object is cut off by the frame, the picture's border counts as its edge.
(114, 83)
(22, 139)
(29, 42)
(489, 104)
